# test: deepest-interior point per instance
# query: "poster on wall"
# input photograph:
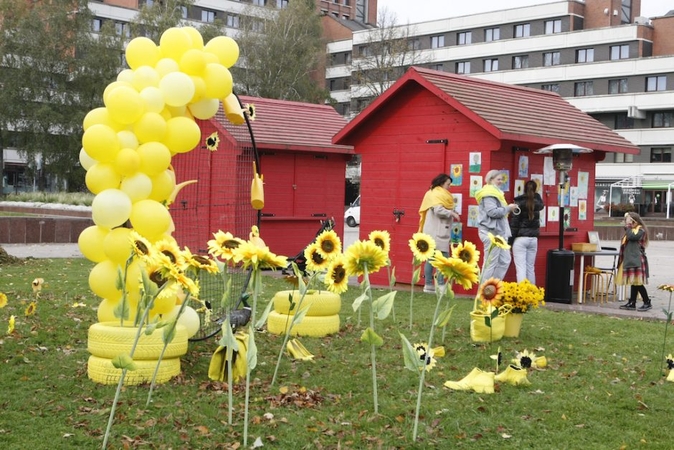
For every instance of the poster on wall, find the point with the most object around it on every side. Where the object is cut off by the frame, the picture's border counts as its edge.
(538, 178)
(475, 162)
(548, 171)
(542, 217)
(583, 178)
(472, 216)
(523, 167)
(567, 218)
(458, 203)
(573, 196)
(505, 187)
(519, 188)
(553, 214)
(457, 233)
(475, 184)
(582, 209)
(565, 194)
(456, 172)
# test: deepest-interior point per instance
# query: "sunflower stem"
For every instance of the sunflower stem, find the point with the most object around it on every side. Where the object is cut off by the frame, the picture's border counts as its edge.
(664, 343)
(257, 284)
(373, 355)
(390, 288)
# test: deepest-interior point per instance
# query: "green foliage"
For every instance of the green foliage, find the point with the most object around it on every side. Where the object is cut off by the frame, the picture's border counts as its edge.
(602, 388)
(152, 20)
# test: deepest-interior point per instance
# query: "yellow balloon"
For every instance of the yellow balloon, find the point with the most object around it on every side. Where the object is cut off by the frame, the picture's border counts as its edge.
(103, 279)
(199, 88)
(112, 86)
(150, 127)
(90, 243)
(153, 98)
(155, 158)
(225, 48)
(125, 75)
(204, 109)
(134, 279)
(100, 116)
(177, 88)
(106, 311)
(195, 36)
(163, 305)
(193, 62)
(125, 105)
(144, 76)
(165, 66)
(86, 161)
(137, 186)
(100, 142)
(127, 162)
(218, 81)
(150, 218)
(190, 320)
(162, 186)
(110, 208)
(127, 139)
(211, 58)
(102, 176)
(117, 245)
(182, 135)
(178, 111)
(140, 51)
(174, 42)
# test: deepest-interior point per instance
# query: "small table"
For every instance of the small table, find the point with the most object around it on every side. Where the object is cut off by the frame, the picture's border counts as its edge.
(581, 274)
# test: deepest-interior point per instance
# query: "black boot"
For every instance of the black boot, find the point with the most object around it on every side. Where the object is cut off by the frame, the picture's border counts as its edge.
(646, 306)
(630, 305)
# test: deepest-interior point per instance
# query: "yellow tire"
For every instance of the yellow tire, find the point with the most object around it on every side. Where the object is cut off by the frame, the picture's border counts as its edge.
(321, 303)
(108, 339)
(313, 326)
(101, 370)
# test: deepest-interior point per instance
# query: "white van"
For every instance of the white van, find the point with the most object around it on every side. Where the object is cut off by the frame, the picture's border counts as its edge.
(352, 214)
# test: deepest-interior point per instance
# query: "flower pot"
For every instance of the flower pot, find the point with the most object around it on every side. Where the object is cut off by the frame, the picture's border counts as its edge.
(513, 324)
(480, 332)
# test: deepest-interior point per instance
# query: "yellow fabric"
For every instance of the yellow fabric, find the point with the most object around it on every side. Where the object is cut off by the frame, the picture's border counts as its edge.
(489, 190)
(436, 196)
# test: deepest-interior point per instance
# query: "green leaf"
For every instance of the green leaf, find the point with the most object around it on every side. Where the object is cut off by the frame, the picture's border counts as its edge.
(263, 318)
(416, 275)
(226, 294)
(358, 301)
(383, 305)
(251, 355)
(412, 360)
(444, 316)
(121, 311)
(124, 361)
(297, 318)
(228, 340)
(119, 281)
(169, 333)
(150, 329)
(371, 337)
(291, 302)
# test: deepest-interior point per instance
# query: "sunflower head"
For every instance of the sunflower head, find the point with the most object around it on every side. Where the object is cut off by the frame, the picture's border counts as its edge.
(212, 141)
(223, 245)
(30, 309)
(199, 262)
(381, 239)
(328, 244)
(498, 241)
(425, 355)
(336, 278)
(140, 246)
(3, 299)
(249, 110)
(364, 255)
(455, 269)
(170, 249)
(525, 359)
(422, 246)
(670, 361)
(466, 252)
(315, 258)
(491, 291)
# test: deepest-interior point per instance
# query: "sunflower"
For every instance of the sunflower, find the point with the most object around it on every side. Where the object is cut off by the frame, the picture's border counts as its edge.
(466, 252)
(315, 259)
(250, 255)
(382, 239)
(456, 170)
(199, 262)
(335, 278)
(498, 241)
(37, 285)
(426, 356)
(3, 300)
(525, 360)
(10, 327)
(328, 244)
(30, 309)
(491, 291)
(223, 245)
(364, 255)
(141, 247)
(249, 110)
(670, 362)
(456, 269)
(212, 141)
(422, 246)
(169, 248)
(666, 287)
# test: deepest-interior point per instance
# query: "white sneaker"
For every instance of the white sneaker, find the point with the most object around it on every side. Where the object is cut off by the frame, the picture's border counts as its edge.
(429, 289)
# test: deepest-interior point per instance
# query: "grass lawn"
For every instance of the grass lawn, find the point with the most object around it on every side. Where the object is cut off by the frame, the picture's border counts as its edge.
(603, 388)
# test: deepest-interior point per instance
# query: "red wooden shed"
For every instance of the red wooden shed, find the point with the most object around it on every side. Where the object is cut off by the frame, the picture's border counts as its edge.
(430, 122)
(304, 175)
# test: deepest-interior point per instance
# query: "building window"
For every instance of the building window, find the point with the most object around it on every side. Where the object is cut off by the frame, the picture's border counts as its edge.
(583, 88)
(122, 29)
(438, 67)
(364, 50)
(414, 44)
(281, 3)
(523, 30)
(521, 62)
(658, 83)
(208, 16)
(661, 154)
(438, 41)
(551, 58)
(626, 11)
(553, 26)
(96, 25)
(624, 158)
(619, 52)
(618, 86)
(585, 55)
(233, 21)
(464, 38)
(492, 34)
(622, 122)
(554, 87)
(259, 2)
(463, 67)
(663, 119)
(491, 65)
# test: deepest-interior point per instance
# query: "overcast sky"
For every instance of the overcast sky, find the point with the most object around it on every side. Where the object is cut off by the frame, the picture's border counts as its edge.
(413, 11)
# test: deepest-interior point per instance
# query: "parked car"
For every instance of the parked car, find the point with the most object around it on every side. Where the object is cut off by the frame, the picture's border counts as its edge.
(352, 214)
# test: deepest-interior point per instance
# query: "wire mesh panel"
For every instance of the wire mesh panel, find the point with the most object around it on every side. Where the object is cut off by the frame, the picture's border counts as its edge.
(219, 200)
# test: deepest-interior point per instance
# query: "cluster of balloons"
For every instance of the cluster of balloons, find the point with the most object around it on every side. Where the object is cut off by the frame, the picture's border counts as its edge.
(128, 144)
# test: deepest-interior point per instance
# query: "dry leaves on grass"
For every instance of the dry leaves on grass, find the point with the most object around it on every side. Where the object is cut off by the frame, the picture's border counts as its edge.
(300, 397)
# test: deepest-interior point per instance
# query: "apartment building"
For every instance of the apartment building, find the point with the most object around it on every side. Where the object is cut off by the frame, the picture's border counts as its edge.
(600, 55)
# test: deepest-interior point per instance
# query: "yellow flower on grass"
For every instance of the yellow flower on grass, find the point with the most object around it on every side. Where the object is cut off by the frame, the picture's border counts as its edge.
(490, 291)
(224, 245)
(525, 359)
(37, 285)
(199, 262)
(426, 355)
(666, 287)
(461, 272)
(422, 246)
(30, 309)
(212, 141)
(328, 244)
(335, 278)
(467, 252)
(382, 239)
(364, 254)
(498, 241)
(250, 255)
(316, 261)
(10, 327)
(3, 300)
(670, 361)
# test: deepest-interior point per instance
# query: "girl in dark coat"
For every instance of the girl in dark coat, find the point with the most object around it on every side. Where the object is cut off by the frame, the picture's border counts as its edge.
(525, 229)
(632, 261)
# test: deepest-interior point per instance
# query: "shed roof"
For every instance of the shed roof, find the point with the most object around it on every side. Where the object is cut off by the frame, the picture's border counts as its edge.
(508, 112)
(282, 124)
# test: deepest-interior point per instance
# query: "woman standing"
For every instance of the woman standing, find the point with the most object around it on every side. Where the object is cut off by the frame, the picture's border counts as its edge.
(436, 217)
(525, 228)
(492, 216)
(632, 261)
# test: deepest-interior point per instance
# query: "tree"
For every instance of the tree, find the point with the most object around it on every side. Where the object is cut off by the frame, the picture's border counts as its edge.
(387, 52)
(280, 51)
(53, 72)
(155, 18)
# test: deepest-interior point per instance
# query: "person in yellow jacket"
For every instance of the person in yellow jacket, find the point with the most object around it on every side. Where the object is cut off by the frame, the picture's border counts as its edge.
(436, 217)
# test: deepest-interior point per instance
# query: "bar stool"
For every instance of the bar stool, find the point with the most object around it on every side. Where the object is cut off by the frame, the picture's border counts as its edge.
(600, 284)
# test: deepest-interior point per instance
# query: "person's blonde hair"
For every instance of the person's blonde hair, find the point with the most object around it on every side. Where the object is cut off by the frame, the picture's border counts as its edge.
(491, 175)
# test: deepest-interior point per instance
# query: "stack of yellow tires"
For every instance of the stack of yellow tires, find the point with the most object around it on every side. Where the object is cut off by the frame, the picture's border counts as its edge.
(106, 340)
(322, 317)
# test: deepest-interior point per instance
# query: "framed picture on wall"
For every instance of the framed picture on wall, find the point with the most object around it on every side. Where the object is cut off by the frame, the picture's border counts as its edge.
(593, 237)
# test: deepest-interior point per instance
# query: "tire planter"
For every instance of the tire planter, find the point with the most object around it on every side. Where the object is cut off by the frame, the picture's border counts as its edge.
(313, 326)
(321, 303)
(108, 339)
(101, 370)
